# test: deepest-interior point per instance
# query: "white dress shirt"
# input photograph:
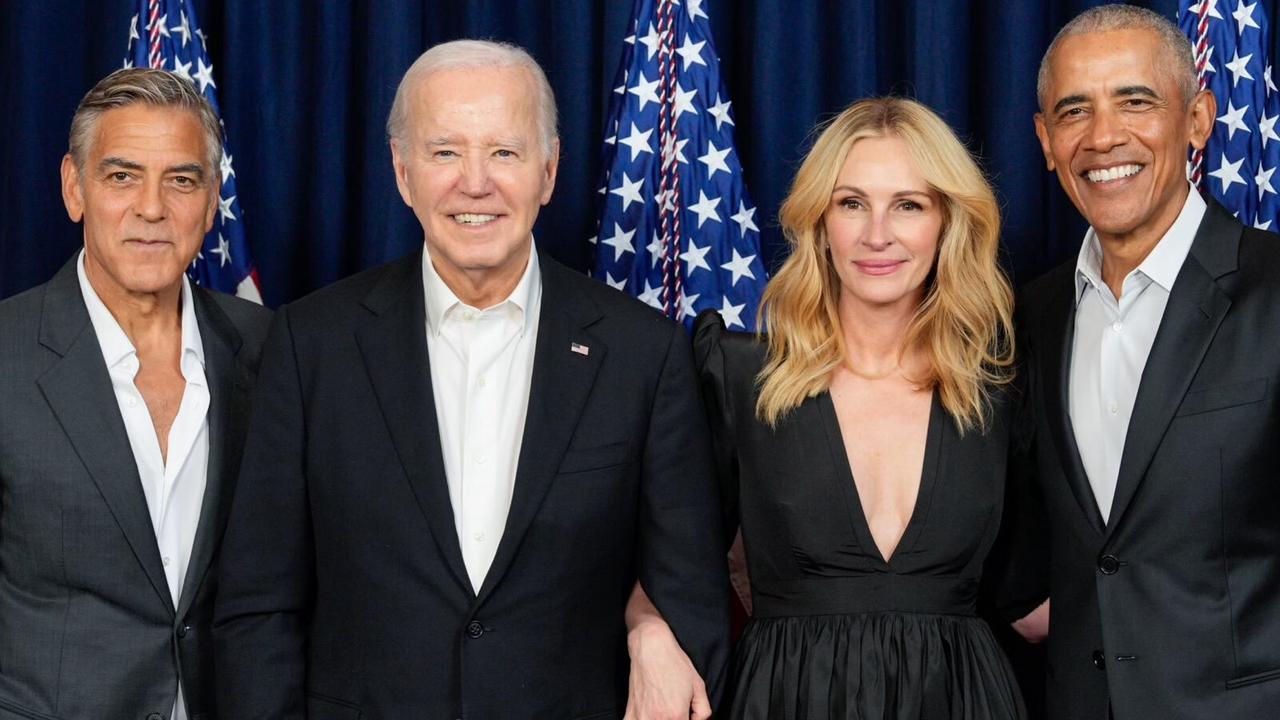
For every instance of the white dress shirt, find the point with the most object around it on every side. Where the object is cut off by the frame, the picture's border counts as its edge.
(174, 489)
(481, 366)
(1113, 338)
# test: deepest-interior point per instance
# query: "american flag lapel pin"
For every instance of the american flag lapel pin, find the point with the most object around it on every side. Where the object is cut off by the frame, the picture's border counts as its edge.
(579, 348)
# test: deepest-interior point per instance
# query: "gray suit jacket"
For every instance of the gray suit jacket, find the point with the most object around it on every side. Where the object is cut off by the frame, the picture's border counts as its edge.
(87, 625)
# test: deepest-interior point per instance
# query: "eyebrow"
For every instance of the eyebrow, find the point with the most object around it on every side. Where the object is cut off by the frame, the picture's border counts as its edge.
(860, 191)
(116, 162)
(1126, 91)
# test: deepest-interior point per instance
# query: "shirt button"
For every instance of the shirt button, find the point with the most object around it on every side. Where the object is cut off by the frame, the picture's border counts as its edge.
(1117, 326)
(131, 402)
(481, 381)
(1113, 408)
(480, 459)
(165, 560)
(479, 537)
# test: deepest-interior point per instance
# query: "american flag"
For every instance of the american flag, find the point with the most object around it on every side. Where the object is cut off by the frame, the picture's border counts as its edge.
(163, 34)
(677, 228)
(1231, 38)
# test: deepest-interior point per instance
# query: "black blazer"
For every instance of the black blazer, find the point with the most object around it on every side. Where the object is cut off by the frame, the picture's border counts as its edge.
(344, 593)
(88, 628)
(1172, 609)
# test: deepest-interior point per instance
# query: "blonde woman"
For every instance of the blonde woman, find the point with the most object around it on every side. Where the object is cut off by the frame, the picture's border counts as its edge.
(863, 442)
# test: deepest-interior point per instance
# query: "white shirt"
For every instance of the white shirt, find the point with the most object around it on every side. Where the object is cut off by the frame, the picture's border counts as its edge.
(1113, 338)
(174, 489)
(481, 366)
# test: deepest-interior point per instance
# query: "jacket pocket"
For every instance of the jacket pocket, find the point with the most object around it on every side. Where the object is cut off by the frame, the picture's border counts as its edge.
(323, 707)
(1253, 679)
(9, 709)
(1222, 397)
(594, 458)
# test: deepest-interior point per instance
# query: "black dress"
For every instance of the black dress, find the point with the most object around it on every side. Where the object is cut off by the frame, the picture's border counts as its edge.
(837, 632)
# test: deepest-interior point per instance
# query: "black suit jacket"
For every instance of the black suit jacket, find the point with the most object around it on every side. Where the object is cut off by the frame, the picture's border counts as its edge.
(88, 628)
(344, 593)
(1171, 609)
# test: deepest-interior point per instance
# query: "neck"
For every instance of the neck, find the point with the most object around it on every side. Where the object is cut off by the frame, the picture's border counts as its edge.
(485, 287)
(142, 316)
(874, 335)
(1123, 252)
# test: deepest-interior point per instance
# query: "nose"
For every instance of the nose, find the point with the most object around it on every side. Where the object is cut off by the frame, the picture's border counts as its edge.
(475, 176)
(149, 204)
(876, 235)
(1106, 130)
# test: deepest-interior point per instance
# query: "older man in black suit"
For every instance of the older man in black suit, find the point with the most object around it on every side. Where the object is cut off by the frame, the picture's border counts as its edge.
(1152, 366)
(461, 463)
(123, 396)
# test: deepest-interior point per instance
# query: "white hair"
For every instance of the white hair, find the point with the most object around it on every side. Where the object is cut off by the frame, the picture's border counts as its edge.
(469, 54)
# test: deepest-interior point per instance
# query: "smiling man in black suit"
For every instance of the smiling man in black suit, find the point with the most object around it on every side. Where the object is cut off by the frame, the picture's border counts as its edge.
(462, 462)
(1152, 373)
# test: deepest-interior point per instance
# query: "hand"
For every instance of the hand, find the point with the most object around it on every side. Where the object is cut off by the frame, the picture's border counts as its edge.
(1034, 626)
(664, 685)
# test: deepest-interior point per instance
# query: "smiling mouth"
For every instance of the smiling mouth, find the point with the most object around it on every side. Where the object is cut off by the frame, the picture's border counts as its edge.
(473, 218)
(1112, 174)
(878, 267)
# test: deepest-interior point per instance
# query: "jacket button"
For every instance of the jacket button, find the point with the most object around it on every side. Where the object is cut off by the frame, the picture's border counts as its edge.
(474, 629)
(1099, 660)
(1108, 565)
(182, 631)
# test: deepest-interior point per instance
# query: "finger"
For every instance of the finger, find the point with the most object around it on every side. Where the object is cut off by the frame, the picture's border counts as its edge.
(700, 708)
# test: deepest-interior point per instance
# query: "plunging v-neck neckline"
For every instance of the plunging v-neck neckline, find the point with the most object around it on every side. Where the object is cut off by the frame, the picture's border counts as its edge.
(844, 476)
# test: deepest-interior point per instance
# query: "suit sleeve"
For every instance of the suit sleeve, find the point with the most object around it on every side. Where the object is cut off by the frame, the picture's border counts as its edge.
(1018, 568)
(266, 581)
(681, 551)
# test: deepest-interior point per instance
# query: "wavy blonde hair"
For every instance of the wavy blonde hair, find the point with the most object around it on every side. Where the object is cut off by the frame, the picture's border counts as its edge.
(963, 325)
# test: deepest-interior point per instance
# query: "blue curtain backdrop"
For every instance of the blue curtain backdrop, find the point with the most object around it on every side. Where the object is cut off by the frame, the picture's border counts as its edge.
(305, 88)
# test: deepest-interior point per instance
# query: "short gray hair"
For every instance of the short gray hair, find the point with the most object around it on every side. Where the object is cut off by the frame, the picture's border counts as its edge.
(157, 88)
(473, 54)
(1178, 60)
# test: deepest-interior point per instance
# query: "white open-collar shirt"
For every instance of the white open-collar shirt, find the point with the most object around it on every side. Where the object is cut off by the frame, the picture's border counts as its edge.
(174, 489)
(1113, 337)
(481, 368)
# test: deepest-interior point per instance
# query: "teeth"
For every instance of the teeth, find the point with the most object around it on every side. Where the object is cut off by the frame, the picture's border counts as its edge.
(1113, 173)
(473, 218)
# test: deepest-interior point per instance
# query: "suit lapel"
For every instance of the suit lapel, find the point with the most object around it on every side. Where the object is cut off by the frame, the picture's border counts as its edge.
(1059, 333)
(78, 390)
(393, 344)
(1195, 310)
(558, 391)
(228, 406)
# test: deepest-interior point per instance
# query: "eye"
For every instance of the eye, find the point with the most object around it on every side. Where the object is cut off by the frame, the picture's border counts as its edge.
(119, 176)
(184, 181)
(444, 154)
(910, 206)
(1136, 103)
(504, 153)
(850, 203)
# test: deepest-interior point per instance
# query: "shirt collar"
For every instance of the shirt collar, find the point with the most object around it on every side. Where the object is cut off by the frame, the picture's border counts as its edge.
(440, 300)
(1164, 261)
(115, 344)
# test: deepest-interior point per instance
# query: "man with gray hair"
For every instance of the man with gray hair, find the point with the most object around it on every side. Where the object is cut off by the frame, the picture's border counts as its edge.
(461, 463)
(1151, 367)
(122, 395)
